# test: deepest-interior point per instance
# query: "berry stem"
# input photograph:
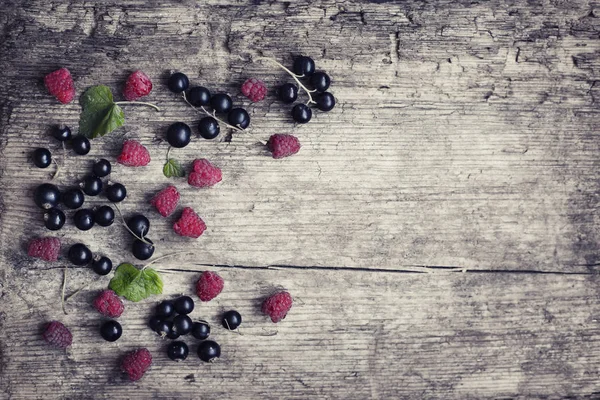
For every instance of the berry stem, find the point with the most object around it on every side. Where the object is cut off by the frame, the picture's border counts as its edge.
(168, 151)
(126, 227)
(141, 103)
(293, 75)
(166, 256)
(77, 291)
(62, 295)
(57, 169)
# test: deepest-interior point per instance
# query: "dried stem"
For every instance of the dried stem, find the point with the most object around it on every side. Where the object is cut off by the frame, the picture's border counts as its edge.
(141, 103)
(293, 75)
(62, 295)
(130, 231)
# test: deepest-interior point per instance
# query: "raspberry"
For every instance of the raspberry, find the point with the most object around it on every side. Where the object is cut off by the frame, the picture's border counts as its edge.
(204, 174)
(283, 145)
(60, 85)
(166, 200)
(138, 85)
(134, 154)
(190, 224)
(254, 89)
(109, 304)
(46, 248)
(136, 363)
(57, 335)
(277, 306)
(209, 285)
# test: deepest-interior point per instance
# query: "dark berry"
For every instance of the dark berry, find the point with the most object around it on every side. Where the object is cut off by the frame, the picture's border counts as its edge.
(139, 225)
(231, 320)
(91, 185)
(42, 158)
(172, 333)
(301, 113)
(209, 128)
(79, 254)
(288, 93)
(165, 309)
(61, 133)
(142, 250)
(221, 103)
(184, 305)
(111, 330)
(320, 81)
(199, 96)
(46, 196)
(178, 351)
(54, 219)
(101, 168)
(116, 192)
(239, 117)
(178, 82)
(154, 322)
(179, 135)
(325, 101)
(84, 219)
(102, 265)
(81, 145)
(163, 327)
(104, 216)
(182, 324)
(304, 66)
(209, 350)
(200, 330)
(73, 198)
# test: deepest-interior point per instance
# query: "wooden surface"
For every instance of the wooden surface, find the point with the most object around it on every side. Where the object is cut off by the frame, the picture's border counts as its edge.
(465, 138)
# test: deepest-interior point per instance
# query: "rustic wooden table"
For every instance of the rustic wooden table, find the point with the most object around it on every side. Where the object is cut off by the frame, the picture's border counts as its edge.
(439, 229)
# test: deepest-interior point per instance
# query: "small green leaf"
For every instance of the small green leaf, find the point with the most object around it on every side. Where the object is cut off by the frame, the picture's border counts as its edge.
(100, 114)
(173, 168)
(135, 284)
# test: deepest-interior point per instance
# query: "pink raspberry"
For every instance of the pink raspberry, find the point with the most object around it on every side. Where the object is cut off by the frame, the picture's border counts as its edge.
(166, 200)
(60, 85)
(204, 174)
(209, 285)
(190, 224)
(109, 304)
(283, 145)
(277, 306)
(46, 248)
(57, 335)
(254, 89)
(136, 363)
(138, 85)
(134, 154)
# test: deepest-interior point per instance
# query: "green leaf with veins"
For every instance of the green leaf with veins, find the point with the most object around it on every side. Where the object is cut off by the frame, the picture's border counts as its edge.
(100, 114)
(173, 168)
(135, 284)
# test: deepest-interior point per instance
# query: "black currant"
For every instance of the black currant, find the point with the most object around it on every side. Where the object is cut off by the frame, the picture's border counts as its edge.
(84, 219)
(178, 82)
(165, 309)
(91, 185)
(79, 254)
(182, 324)
(61, 133)
(209, 128)
(221, 103)
(301, 113)
(231, 320)
(304, 66)
(139, 225)
(325, 101)
(184, 305)
(111, 330)
(320, 81)
(42, 158)
(239, 117)
(115, 192)
(142, 250)
(178, 351)
(154, 322)
(46, 196)
(101, 168)
(73, 198)
(54, 219)
(288, 93)
(179, 134)
(199, 96)
(209, 350)
(163, 327)
(81, 145)
(102, 265)
(200, 330)
(104, 216)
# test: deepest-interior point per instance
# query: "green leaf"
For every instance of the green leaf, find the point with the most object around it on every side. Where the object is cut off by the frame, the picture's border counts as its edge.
(173, 168)
(135, 284)
(100, 114)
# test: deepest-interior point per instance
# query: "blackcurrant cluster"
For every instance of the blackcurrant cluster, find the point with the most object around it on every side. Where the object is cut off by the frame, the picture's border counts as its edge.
(139, 226)
(42, 158)
(80, 255)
